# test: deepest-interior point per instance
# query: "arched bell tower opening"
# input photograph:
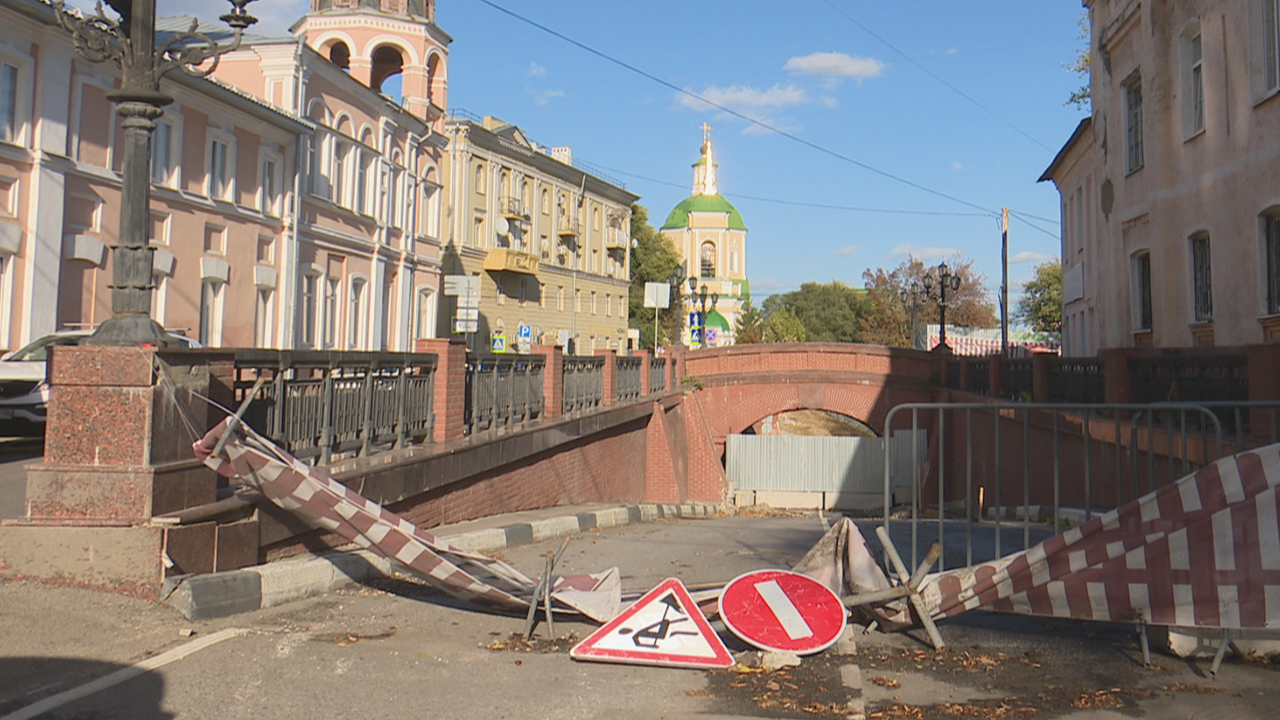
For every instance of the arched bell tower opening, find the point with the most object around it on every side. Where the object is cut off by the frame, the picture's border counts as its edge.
(387, 60)
(340, 55)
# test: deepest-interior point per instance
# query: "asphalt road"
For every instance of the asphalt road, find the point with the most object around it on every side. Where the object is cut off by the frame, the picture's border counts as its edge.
(396, 649)
(14, 454)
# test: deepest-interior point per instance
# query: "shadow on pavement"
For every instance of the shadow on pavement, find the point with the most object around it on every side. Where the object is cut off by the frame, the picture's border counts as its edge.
(35, 686)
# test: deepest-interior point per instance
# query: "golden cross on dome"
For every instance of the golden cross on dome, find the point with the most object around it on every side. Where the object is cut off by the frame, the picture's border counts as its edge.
(706, 132)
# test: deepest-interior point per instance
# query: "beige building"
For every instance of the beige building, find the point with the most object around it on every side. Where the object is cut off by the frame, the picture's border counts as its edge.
(1171, 189)
(711, 238)
(549, 241)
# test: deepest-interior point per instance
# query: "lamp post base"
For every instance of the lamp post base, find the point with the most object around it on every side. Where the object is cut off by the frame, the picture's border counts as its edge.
(130, 330)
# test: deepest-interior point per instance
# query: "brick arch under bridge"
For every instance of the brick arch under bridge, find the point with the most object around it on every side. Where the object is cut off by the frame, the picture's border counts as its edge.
(738, 386)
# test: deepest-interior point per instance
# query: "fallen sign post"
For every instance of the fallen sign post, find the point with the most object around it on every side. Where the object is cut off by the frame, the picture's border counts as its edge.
(664, 628)
(913, 583)
(783, 611)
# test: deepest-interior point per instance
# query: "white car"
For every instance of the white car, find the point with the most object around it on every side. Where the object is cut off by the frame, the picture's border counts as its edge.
(24, 387)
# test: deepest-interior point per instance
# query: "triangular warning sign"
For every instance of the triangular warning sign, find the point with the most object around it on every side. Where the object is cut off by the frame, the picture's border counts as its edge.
(665, 627)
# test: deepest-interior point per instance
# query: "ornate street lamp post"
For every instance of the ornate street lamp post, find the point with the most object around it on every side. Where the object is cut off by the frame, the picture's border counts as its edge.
(131, 44)
(700, 295)
(945, 280)
(912, 298)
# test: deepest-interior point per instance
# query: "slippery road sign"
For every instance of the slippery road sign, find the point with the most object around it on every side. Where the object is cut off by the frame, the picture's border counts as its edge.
(665, 627)
(783, 611)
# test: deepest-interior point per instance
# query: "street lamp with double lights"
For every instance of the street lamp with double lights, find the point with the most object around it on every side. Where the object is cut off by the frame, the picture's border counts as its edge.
(945, 280)
(131, 43)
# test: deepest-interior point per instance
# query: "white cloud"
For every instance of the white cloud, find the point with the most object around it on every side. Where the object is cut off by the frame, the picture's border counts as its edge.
(848, 251)
(753, 103)
(951, 51)
(1031, 257)
(536, 70)
(924, 254)
(546, 96)
(959, 166)
(835, 66)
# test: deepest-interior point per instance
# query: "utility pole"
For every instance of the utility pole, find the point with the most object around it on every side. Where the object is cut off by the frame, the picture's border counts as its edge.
(1004, 282)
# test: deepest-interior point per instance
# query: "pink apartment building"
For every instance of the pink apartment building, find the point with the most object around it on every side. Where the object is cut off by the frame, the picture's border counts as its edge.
(1171, 188)
(294, 204)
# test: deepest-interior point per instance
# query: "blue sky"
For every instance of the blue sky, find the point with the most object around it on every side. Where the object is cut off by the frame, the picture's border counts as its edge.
(964, 100)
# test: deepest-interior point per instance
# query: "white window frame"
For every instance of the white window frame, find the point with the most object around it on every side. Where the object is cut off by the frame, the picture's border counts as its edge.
(6, 296)
(269, 195)
(357, 285)
(338, 170)
(1192, 56)
(308, 309)
(220, 177)
(332, 311)
(264, 303)
(163, 160)
(425, 325)
(17, 125)
(1264, 48)
(431, 203)
(1134, 152)
(212, 302)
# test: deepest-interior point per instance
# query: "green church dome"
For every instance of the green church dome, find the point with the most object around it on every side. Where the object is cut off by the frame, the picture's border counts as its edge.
(679, 217)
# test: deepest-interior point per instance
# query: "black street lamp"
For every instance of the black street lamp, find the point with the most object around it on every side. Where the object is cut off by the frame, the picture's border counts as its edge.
(945, 280)
(912, 298)
(131, 44)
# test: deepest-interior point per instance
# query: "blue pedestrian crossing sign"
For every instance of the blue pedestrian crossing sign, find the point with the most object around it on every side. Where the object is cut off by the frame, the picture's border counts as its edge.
(499, 343)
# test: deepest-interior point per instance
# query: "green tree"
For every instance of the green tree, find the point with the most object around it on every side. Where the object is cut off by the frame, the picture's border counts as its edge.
(1041, 304)
(750, 327)
(653, 259)
(781, 326)
(1081, 97)
(829, 312)
(887, 320)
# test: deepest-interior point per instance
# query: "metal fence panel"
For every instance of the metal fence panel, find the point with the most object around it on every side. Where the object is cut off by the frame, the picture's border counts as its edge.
(816, 464)
(626, 378)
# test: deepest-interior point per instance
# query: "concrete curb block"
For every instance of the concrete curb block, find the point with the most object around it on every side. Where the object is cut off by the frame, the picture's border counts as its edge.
(215, 595)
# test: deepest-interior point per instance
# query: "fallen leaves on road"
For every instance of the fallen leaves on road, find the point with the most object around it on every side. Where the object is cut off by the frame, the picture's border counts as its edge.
(1183, 687)
(885, 682)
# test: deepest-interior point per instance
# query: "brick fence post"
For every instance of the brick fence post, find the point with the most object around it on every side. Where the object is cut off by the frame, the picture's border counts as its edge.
(1039, 378)
(449, 399)
(552, 380)
(610, 376)
(644, 370)
(1117, 388)
(1264, 385)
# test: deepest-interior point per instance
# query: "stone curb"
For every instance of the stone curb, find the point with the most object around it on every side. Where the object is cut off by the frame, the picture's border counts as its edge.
(221, 594)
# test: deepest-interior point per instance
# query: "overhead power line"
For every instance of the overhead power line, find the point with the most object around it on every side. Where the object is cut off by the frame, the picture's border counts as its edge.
(790, 136)
(938, 77)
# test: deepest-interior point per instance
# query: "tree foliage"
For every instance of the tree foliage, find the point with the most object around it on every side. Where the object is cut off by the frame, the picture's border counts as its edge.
(1041, 304)
(782, 326)
(828, 312)
(1081, 97)
(653, 259)
(887, 320)
(750, 326)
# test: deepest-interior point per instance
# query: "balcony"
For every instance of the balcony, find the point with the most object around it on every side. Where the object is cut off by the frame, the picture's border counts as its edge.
(512, 208)
(616, 239)
(568, 227)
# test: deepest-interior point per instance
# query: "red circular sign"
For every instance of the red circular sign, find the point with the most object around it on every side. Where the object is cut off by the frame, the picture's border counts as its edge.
(783, 611)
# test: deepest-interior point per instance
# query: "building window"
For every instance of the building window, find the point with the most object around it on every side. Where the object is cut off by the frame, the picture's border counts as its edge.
(708, 260)
(388, 308)
(1201, 277)
(1192, 83)
(560, 298)
(266, 250)
(307, 315)
(430, 208)
(363, 161)
(1271, 230)
(1133, 122)
(262, 318)
(313, 165)
(477, 235)
(8, 102)
(524, 291)
(341, 158)
(593, 302)
(161, 152)
(1264, 47)
(332, 287)
(159, 294)
(211, 297)
(219, 170)
(395, 210)
(542, 295)
(1142, 291)
(269, 187)
(354, 326)
(500, 290)
(425, 314)
(608, 305)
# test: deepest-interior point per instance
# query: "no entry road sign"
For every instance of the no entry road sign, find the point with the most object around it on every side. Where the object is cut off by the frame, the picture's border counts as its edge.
(665, 627)
(783, 611)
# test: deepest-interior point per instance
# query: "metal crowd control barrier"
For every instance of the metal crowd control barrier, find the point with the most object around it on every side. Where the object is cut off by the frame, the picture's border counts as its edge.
(315, 403)
(583, 383)
(1117, 452)
(503, 391)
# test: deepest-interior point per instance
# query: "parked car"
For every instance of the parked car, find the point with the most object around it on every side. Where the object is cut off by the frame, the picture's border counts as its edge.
(24, 387)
